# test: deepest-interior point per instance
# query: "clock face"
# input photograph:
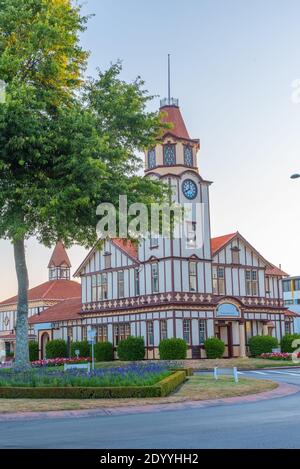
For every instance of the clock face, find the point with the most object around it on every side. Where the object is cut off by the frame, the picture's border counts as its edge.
(188, 155)
(189, 189)
(151, 158)
(169, 155)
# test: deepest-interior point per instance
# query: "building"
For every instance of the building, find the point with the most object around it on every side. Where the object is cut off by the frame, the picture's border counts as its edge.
(58, 288)
(291, 297)
(174, 287)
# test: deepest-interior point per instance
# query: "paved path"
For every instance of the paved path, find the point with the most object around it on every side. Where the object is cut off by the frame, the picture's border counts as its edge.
(251, 423)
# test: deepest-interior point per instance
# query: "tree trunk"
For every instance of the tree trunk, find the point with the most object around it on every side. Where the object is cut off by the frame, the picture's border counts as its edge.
(22, 350)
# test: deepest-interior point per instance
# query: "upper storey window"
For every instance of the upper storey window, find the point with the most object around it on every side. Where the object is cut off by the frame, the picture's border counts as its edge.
(251, 283)
(151, 158)
(169, 155)
(188, 155)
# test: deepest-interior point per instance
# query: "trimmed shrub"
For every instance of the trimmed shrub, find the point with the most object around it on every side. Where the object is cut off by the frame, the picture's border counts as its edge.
(131, 349)
(163, 388)
(56, 349)
(173, 349)
(33, 350)
(83, 347)
(259, 344)
(214, 347)
(104, 352)
(286, 342)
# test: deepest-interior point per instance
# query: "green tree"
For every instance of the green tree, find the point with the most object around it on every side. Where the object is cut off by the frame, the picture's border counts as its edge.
(66, 144)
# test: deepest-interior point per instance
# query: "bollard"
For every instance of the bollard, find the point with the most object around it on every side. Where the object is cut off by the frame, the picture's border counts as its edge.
(235, 374)
(216, 372)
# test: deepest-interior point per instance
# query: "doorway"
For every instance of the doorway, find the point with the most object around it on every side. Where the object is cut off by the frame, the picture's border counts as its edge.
(44, 340)
(224, 332)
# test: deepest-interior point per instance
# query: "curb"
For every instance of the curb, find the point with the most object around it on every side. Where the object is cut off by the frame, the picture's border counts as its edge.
(283, 390)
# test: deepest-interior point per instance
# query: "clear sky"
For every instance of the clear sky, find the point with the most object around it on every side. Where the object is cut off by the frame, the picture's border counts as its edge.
(233, 63)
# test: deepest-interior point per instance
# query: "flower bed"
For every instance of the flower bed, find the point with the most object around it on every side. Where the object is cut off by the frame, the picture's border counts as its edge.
(134, 381)
(59, 362)
(278, 356)
(131, 375)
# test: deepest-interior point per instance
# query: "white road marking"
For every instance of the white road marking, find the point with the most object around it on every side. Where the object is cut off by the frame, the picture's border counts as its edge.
(258, 372)
(284, 373)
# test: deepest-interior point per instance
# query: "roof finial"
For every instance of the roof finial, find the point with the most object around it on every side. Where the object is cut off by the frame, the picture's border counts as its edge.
(169, 101)
(169, 79)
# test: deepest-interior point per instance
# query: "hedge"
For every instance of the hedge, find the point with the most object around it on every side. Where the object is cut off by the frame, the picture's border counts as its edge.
(173, 349)
(83, 347)
(286, 342)
(56, 349)
(33, 350)
(131, 349)
(214, 347)
(104, 352)
(259, 344)
(161, 389)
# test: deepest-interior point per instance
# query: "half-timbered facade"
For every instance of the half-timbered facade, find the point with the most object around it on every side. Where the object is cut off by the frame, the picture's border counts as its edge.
(166, 287)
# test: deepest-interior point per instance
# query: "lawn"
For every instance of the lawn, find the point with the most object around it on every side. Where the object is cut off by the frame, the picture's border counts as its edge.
(196, 388)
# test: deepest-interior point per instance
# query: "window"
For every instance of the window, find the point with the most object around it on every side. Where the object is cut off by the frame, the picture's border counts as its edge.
(202, 331)
(288, 302)
(107, 260)
(137, 282)
(267, 280)
(286, 285)
(235, 252)
(188, 155)
(193, 276)
(102, 287)
(83, 333)
(121, 292)
(248, 329)
(151, 158)
(163, 329)
(169, 155)
(287, 327)
(154, 277)
(191, 234)
(187, 330)
(219, 281)
(121, 332)
(251, 283)
(70, 333)
(150, 333)
(94, 288)
(297, 284)
(153, 242)
(102, 335)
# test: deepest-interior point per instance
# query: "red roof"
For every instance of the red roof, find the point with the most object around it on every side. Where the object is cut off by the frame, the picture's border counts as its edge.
(273, 270)
(59, 256)
(64, 311)
(172, 114)
(220, 241)
(51, 290)
(127, 246)
(291, 313)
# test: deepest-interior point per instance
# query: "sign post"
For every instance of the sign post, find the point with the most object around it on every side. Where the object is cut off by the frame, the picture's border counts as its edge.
(91, 337)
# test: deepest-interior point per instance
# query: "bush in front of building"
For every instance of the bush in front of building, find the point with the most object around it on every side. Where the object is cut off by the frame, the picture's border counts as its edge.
(286, 342)
(56, 349)
(131, 349)
(173, 349)
(104, 352)
(214, 347)
(33, 350)
(259, 344)
(83, 347)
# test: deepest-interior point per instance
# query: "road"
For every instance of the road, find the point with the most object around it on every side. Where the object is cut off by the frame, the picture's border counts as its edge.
(263, 424)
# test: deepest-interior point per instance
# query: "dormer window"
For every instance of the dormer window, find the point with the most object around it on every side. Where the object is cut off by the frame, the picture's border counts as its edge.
(188, 155)
(151, 158)
(169, 154)
(235, 253)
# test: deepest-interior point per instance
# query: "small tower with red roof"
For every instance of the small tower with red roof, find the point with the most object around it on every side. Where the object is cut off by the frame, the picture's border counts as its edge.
(59, 265)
